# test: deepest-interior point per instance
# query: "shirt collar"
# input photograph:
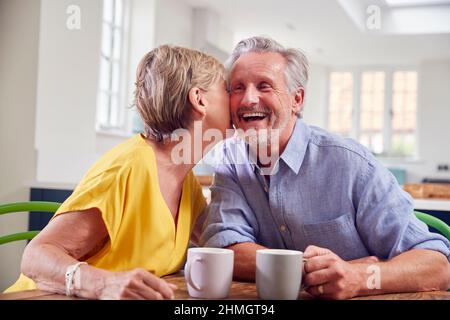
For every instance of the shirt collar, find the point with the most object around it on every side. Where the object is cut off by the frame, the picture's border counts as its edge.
(295, 150)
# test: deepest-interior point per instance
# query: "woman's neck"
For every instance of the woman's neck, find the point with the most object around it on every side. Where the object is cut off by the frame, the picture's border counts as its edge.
(178, 157)
(165, 162)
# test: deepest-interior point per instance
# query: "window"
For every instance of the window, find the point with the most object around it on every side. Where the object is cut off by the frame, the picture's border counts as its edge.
(372, 110)
(376, 107)
(404, 108)
(340, 112)
(111, 100)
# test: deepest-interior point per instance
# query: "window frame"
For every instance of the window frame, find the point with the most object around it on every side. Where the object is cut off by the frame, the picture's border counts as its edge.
(387, 112)
(124, 127)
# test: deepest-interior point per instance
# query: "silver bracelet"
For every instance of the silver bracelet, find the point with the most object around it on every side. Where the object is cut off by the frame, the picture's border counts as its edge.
(70, 272)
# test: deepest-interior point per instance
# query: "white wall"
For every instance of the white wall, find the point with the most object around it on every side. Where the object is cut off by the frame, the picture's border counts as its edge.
(19, 35)
(434, 113)
(67, 90)
(173, 23)
(209, 35)
(316, 96)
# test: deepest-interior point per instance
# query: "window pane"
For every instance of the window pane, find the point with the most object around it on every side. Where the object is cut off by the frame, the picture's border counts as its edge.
(118, 13)
(106, 40)
(108, 10)
(109, 113)
(340, 103)
(117, 43)
(372, 110)
(403, 144)
(115, 81)
(114, 113)
(404, 110)
(411, 81)
(138, 124)
(364, 139)
(103, 109)
(105, 75)
(377, 142)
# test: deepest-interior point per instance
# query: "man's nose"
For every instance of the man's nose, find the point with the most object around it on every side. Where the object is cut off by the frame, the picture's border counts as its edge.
(251, 97)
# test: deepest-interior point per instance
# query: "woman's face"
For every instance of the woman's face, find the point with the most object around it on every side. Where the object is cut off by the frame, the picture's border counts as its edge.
(217, 109)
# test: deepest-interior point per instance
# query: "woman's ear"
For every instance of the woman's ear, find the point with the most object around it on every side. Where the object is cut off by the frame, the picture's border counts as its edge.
(197, 100)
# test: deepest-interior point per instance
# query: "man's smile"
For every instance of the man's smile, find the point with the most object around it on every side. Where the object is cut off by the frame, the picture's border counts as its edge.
(252, 116)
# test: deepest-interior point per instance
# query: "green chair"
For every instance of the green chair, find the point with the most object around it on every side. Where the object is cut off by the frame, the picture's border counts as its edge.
(434, 222)
(42, 206)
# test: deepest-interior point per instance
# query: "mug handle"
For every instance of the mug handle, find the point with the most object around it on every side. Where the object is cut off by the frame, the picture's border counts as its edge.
(189, 279)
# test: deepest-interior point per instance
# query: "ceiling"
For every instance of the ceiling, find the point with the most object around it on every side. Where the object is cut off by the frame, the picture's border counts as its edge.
(327, 32)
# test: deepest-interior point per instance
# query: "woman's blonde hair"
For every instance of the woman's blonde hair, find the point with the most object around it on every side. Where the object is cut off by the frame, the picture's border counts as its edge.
(164, 77)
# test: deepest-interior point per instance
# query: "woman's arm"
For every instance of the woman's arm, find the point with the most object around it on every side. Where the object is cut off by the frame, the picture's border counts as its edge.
(75, 236)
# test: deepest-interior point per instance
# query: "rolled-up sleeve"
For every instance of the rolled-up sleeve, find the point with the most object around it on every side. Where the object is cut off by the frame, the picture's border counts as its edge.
(229, 219)
(385, 217)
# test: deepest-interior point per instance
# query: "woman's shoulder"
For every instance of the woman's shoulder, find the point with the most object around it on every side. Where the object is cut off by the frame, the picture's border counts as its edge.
(129, 150)
(130, 155)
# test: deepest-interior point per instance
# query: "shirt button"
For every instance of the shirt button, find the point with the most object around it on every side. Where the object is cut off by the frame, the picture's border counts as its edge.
(283, 228)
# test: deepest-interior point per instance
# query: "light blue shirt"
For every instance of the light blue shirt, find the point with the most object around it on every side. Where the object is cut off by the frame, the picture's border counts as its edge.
(328, 191)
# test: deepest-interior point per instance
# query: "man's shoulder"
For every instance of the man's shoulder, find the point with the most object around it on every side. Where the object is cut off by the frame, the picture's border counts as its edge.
(326, 142)
(233, 151)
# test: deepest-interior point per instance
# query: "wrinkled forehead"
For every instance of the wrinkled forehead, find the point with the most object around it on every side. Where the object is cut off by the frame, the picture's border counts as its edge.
(253, 65)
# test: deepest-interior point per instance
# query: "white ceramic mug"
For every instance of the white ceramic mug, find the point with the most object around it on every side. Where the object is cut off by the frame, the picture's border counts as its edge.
(209, 272)
(278, 273)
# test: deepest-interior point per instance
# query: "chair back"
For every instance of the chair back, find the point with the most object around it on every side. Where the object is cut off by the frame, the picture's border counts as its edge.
(42, 206)
(435, 223)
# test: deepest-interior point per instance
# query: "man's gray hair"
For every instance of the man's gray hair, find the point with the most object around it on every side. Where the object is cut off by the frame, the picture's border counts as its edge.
(296, 62)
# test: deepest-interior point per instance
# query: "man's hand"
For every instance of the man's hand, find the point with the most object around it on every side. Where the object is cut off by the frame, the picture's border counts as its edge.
(328, 276)
(136, 284)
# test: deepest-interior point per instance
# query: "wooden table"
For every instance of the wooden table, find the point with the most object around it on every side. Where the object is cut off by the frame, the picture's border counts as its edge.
(239, 291)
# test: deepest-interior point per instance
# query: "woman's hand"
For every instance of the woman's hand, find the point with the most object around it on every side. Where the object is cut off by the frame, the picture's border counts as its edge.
(136, 284)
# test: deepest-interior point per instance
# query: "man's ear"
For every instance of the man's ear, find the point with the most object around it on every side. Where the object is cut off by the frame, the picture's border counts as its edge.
(197, 100)
(298, 100)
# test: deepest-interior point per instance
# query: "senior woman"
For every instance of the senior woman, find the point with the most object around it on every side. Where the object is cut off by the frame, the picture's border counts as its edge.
(129, 220)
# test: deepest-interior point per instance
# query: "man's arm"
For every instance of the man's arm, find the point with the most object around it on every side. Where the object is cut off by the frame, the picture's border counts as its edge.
(330, 277)
(229, 220)
(414, 259)
(245, 260)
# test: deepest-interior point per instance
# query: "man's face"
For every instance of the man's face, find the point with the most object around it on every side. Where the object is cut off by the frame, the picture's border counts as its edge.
(259, 96)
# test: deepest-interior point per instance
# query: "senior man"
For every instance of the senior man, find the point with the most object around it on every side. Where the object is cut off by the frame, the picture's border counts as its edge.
(324, 195)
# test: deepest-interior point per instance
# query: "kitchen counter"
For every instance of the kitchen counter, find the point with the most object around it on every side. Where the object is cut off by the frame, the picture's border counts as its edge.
(432, 204)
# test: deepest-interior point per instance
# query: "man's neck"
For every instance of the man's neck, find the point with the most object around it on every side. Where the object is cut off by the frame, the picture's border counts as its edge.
(268, 155)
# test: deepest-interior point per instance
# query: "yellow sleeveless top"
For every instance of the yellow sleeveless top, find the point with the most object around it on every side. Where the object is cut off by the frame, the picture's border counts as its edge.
(124, 186)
